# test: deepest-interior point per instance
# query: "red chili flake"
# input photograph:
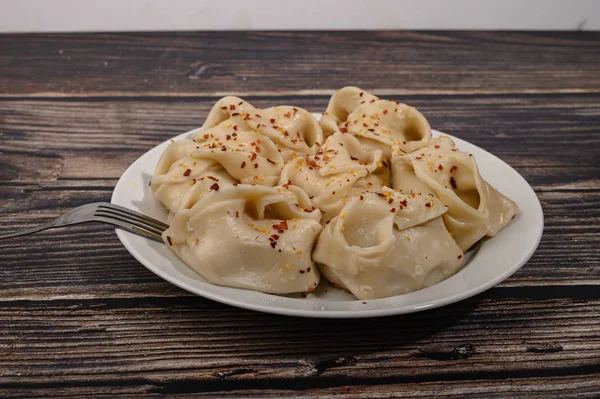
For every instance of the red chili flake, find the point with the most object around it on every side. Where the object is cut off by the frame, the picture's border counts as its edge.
(309, 269)
(452, 169)
(333, 193)
(205, 136)
(271, 161)
(397, 102)
(240, 103)
(223, 148)
(361, 94)
(255, 166)
(170, 241)
(235, 114)
(453, 182)
(287, 115)
(404, 203)
(393, 210)
(428, 205)
(253, 156)
(215, 187)
(436, 146)
(385, 111)
(280, 227)
(440, 167)
(459, 256)
(237, 214)
(390, 201)
(365, 125)
(372, 101)
(150, 183)
(302, 272)
(272, 120)
(371, 130)
(419, 158)
(344, 130)
(212, 178)
(235, 127)
(312, 163)
(228, 137)
(224, 107)
(187, 172)
(361, 197)
(247, 117)
(273, 244)
(381, 195)
(231, 107)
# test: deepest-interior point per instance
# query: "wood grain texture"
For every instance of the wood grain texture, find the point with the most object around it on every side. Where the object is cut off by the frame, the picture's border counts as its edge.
(246, 62)
(79, 316)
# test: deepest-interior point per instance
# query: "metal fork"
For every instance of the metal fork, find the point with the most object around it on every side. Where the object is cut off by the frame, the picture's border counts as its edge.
(118, 216)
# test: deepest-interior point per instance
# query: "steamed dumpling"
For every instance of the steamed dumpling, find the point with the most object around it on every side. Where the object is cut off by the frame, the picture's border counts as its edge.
(293, 130)
(329, 176)
(384, 244)
(252, 237)
(247, 156)
(179, 173)
(475, 209)
(378, 124)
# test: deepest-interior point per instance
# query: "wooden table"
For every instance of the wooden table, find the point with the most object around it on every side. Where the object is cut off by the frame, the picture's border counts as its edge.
(80, 316)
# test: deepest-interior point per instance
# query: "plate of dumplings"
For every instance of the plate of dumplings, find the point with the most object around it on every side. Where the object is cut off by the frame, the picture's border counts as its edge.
(361, 211)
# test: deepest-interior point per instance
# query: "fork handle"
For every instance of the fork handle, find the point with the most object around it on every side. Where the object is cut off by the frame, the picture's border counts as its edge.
(19, 233)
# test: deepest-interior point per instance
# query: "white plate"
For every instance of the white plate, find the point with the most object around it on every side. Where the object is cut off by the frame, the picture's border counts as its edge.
(494, 261)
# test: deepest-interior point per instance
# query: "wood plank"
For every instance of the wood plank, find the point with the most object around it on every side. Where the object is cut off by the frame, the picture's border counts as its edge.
(178, 345)
(197, 63)
(89, 261)
(70, 139)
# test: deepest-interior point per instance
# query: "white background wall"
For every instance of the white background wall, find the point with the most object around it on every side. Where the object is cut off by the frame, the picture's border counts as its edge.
(125, 15)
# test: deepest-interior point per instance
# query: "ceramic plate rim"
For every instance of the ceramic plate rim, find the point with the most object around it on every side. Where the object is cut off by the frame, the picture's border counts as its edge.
(274, 304)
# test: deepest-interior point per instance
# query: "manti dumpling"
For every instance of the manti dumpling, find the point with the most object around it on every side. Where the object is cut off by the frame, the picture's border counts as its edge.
(293, 130)
(249, 236)
(329, 176)
(179, 173)
(385, 243)
(376, 123)
(475, 209)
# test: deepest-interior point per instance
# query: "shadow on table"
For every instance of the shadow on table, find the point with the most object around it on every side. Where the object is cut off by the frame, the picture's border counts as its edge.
(321, 344)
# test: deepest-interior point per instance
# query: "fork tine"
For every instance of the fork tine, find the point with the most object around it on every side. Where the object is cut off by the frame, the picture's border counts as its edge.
(138, 216)
(129, 219)
(132, 228)
(126, 219)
